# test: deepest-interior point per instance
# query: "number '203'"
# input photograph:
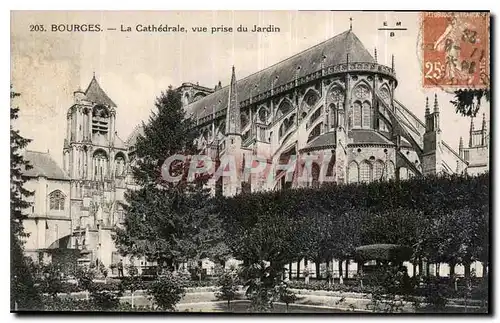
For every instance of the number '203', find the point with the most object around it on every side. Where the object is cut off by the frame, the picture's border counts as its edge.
(37, 28)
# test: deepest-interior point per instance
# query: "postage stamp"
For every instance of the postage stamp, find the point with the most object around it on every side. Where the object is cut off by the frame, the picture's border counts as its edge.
(456, 49)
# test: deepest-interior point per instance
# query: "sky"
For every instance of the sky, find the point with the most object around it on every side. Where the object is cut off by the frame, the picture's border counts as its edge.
(133, 67)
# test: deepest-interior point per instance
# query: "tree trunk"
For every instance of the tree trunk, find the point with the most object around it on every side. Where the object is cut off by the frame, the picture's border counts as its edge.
(298, 269)
(452, 269)
(318, 273)
(467, 270)
(290, 271)
(229, 304)
(427, 269)
(132, 298)
(485, 269)
(414, 269)
(438, 267)
(340, 268)
(420, 268)
(347, 268)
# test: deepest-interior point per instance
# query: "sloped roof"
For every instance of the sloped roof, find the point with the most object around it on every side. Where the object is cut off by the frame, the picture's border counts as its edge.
(43, 165)
(95, 93)
(322, 141)
(360, 136)
(334, 51)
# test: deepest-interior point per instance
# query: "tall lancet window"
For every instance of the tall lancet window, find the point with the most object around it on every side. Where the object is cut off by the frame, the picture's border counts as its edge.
(356, 115)
(100, 165)
(367, 115)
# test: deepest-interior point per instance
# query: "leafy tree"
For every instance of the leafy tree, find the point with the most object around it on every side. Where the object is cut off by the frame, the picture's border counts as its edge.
(24, 295)
(467, 102)
(133, 281)
(168, 221)
(166, 291)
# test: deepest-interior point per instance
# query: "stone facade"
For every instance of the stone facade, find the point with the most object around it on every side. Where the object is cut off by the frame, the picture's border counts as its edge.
(339, 110)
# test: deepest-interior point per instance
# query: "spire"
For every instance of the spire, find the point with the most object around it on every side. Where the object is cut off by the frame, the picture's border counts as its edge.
(471, 130)
(350, 24)
(436, 105)
(233, 113)
(375, 54)
(461, 144)
(393, 69)
(484, 123)
(427, 110)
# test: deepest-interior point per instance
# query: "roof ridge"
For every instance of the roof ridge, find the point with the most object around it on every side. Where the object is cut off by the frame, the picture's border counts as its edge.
(283, 60)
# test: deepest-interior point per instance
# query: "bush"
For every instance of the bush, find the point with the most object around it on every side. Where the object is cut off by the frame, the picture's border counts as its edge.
(166, 292)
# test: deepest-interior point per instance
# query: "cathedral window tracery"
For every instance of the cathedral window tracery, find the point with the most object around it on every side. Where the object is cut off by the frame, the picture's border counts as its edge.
(365, 172)
(56, 200)
(367, 116)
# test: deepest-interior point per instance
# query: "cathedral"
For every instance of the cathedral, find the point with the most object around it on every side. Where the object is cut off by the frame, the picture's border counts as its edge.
(333, 99)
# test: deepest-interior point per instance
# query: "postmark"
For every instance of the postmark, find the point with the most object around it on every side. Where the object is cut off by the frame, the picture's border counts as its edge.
(455, 50)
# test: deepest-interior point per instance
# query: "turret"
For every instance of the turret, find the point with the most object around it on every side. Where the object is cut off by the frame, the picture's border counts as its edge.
(471, 131)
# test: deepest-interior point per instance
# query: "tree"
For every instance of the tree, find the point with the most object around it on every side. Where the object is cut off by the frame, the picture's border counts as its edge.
(23, 292)
(228, 283)
(467, 102)
(168, 221)
(167, 291)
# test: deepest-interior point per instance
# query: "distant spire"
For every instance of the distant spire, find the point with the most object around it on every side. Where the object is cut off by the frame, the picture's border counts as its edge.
(393, 63)
(350, 24)
(233, 113)
(427, 110)
(484, 122)
(436, 105)
(461, 143)
(375, 54)
(93, 74)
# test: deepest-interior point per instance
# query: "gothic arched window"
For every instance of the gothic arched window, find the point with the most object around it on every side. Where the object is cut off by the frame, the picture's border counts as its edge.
(365, 172)
(353, 172)
(100, 160)
(56, 200)
(356, 115)
(367, 116)
(378, 170)
(263, 113)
